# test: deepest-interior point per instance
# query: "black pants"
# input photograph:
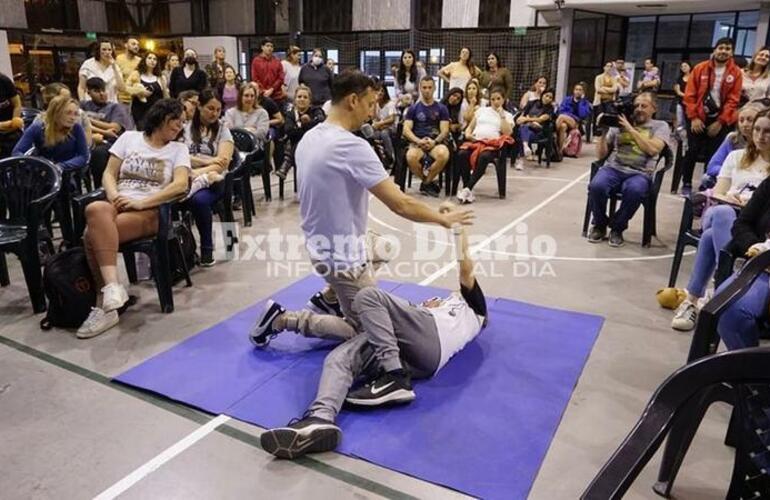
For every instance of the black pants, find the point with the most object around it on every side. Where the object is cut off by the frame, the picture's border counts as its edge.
(7, 142)
(464, 161)
(700, 146)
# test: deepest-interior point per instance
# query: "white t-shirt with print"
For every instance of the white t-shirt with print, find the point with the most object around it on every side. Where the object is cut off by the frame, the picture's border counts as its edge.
(743, 181)
(146, 170)
(335, 170)
(92, 68)
(457, 324)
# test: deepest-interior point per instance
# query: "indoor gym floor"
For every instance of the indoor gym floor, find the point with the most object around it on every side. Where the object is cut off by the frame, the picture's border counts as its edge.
(68, 432)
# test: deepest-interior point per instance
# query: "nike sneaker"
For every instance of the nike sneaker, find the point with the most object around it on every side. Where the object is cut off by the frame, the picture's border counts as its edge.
(388, 389)
(301, 436)
(320, 305)
(263, 332)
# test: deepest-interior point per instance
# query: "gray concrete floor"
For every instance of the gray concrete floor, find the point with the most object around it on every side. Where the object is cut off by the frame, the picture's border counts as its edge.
(67, 432)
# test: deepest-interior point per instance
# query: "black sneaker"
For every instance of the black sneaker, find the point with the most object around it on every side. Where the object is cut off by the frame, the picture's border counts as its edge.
(597, 234)
(616, 239)
(427, 189)
(435, 188)
(320, 305)
(387, 389)
(262, 331)
(308, 435)
(207, 258)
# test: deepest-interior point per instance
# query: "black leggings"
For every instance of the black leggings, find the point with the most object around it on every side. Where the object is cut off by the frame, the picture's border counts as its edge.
(700, 145)
(464, 161)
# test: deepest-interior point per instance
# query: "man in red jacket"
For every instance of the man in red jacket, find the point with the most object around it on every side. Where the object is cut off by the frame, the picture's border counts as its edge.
(711, 103)
(268, 71)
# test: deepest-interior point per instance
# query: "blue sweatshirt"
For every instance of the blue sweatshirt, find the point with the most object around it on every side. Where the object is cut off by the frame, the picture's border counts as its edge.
(71, 153)
(715, 164)
(579, 110)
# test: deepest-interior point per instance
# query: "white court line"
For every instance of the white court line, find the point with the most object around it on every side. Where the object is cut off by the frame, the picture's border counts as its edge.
(124, 484)
(475, 248)
(127, 482)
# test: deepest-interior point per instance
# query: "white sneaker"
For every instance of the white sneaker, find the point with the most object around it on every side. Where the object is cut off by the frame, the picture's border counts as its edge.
(685, 316)
(469, 197)
(519, 165)
(527, 150)
(115, 296)
(462, 196)
(97, 322)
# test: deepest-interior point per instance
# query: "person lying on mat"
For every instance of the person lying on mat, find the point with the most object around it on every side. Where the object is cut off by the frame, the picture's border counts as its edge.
(332, 159)
(399, 341)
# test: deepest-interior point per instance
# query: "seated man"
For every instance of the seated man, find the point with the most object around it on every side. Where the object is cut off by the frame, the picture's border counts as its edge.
(108, 121)
(573, 110)
(401, 341)
(537, 113)
(426, 127)
(628, 168)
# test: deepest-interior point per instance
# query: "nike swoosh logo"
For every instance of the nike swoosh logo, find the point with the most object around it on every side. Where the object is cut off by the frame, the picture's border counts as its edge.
(377, 390)
(301, 443)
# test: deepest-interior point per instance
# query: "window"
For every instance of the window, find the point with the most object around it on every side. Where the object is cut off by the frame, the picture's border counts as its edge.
(327, 15)
(672, 32)
(706, 29)
(494, 13)
(56, 14)
(641, 32)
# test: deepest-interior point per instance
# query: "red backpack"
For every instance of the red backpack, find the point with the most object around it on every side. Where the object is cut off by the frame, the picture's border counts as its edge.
(574, 144)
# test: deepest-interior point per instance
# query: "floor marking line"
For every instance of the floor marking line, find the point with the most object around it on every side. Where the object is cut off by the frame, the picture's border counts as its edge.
(475, 248)
(169, 453)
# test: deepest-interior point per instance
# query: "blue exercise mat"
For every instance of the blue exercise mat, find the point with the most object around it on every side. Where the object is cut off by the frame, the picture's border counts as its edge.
(481, 426)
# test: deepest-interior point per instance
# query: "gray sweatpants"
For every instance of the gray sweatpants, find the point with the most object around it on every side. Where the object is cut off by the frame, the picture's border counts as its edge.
(391, 327)
(346, 284)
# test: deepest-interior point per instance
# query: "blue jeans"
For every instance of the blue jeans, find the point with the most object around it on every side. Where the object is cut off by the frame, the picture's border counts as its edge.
(201, 205)
(717, 226)
(607, 181)
(739, 324)
(527, 133)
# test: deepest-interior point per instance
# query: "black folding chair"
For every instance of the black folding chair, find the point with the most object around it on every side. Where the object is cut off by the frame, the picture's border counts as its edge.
(649, 204)
(28, 188)
(245, 145)
(730, 375)
(500, 172)
(704, 343)
(156, 247)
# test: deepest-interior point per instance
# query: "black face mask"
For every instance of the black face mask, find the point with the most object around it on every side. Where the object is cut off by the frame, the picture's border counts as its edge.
(190, 60)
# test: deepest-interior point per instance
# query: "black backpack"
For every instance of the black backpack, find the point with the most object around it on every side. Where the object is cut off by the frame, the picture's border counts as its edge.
(70, 289)
(188, 252)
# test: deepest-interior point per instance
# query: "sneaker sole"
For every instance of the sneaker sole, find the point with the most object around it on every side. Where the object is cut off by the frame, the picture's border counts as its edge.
(208, 264)
(289, 443)
(618, 245)
(400, 396)
(90, 335)
(595, 241)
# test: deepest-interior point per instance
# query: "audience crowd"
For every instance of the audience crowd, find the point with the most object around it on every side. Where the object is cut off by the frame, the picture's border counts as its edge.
(150, 130)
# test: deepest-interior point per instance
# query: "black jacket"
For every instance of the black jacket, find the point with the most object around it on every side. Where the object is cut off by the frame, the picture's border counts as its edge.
(295, 129)
(753, 222)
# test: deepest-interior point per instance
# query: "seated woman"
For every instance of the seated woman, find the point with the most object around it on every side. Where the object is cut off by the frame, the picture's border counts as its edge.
(741, 173)
(385, 120)
(530, 123)
(145, 170)
(57, 89)
(740, 324)
(573, 110)
(473, 100)
(249, 115)
(189, 100)
(59, 136)
(211, 149)
(301, 118)
(734, 140)
(453, 101)
(485, 133)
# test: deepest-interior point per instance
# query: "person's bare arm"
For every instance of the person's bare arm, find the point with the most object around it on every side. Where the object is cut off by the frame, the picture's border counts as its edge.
(82, 87)
(276, 120)
(414, 210)
(15, 123)
(408, 134)
(652, 146)
(466, 264)
(110, 177)
(445, 72)
(443, 127)
(602, 147)
(204, 164)
(173, 191)
(505, 126)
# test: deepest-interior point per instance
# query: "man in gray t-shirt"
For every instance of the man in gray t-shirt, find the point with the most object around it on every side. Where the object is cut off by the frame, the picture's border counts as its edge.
(336, 172)
(628, 169)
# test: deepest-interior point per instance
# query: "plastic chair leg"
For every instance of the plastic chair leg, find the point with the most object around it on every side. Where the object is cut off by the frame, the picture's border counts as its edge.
(586, 218)
(501, 177)
(266, 181)
(30, 265)
(5, 280)
(161, 270)
(130, 260)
